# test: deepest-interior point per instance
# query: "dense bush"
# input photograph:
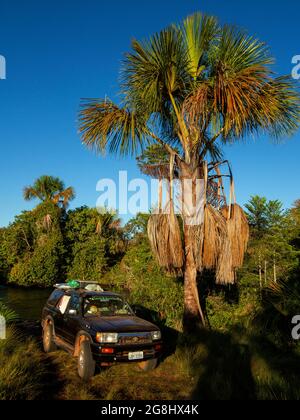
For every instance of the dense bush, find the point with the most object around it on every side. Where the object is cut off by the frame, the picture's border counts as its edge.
(139, 275)
(47, 245)
(89, 260)
(39, 261)
(42, 268)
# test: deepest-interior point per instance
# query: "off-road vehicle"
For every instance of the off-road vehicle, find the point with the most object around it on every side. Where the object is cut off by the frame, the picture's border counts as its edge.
(99, 328)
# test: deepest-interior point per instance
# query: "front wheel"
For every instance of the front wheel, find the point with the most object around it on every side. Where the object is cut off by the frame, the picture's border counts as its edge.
(148, 365)
(86, 363)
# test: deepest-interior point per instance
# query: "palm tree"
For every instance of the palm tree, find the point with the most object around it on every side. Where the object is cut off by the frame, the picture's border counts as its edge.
(192, 88)
(49, 188)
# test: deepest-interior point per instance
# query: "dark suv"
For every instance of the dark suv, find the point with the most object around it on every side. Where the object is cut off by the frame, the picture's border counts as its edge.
(99, 328)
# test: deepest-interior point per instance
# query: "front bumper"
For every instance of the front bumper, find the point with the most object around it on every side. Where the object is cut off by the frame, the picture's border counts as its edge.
(120, 355)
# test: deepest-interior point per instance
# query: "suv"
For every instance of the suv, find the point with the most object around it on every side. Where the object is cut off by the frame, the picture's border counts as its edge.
(99, 328)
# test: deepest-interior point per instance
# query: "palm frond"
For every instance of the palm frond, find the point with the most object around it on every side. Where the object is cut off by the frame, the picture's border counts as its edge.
(8, 314)
(67, 195)
(64, 197)
(239, 95)
(154, 69)
(211, 149)
(29, 193)
(198, 32)
(104, 125)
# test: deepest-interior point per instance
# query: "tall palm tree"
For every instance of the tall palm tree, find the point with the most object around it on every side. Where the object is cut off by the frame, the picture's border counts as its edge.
(49, 188)
(192, 88)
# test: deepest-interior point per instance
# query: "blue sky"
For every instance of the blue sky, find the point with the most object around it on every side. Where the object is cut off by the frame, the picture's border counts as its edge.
(60, 51)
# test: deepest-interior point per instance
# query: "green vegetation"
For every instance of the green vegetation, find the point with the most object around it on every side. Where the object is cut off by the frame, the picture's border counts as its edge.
(47, 245)
(22, 373)
(247, 352)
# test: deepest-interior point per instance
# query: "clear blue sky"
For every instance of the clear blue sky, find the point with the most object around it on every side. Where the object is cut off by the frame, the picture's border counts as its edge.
(60, 51)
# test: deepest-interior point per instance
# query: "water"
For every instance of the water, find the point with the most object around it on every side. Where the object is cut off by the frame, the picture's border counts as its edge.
(27, 303)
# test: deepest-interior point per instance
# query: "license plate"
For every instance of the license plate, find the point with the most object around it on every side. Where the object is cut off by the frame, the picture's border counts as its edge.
(137, 355)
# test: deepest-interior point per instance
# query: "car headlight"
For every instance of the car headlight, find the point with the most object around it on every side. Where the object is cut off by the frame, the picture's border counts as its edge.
(156, 335)
(107, 337)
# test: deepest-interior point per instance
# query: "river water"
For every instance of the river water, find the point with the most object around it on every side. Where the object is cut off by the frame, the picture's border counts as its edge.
(27, 303)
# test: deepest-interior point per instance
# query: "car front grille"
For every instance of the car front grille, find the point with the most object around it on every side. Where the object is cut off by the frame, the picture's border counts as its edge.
(135, 338)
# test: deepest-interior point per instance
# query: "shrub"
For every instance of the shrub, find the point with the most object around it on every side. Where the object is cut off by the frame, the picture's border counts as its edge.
(147, 285)
(89, 260)
(41, 268)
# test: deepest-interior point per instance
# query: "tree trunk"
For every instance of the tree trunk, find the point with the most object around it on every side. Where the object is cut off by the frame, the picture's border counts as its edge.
(265, 274)
(260, 272)
(193, 314)
(274, 269)
(191, 307)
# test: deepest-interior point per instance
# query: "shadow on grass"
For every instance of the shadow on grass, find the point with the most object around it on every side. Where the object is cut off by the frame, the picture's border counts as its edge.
(240, 366)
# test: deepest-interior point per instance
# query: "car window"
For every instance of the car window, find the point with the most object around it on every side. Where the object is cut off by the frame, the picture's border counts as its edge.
(75, 303)
(63, 304)
(106, 306)
(55, 296)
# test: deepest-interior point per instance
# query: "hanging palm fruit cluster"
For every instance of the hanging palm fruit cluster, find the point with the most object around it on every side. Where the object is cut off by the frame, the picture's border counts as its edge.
(219, 243)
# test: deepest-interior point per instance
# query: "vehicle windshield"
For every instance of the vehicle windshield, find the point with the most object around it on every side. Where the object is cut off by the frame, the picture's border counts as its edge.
(106, 306)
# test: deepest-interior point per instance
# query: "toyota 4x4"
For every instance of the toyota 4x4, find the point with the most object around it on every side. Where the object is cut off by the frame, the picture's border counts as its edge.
(99, 328)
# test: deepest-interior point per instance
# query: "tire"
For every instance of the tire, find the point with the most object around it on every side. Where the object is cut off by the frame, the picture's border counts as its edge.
(48, 339)
(86, 363)
(148, 365)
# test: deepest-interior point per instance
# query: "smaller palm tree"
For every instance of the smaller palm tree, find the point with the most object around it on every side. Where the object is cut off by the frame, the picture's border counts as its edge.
(49, 188)
(8, 314)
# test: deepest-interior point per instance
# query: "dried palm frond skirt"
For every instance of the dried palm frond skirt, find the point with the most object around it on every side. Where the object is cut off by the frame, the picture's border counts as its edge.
(211, 246)
(238, 232)
(216, 252)
(165, 239)
(218, 244)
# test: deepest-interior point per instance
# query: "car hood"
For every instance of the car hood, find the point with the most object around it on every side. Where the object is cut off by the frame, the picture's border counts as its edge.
(122, 324)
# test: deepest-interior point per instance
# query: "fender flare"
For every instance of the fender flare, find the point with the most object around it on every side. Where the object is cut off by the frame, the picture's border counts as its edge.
(80, 337)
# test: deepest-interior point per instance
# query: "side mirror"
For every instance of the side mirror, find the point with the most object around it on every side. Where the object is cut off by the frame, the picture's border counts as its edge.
(73, 312)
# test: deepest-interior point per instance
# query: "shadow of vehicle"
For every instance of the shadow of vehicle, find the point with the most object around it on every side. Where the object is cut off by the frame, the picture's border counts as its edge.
(169, 335)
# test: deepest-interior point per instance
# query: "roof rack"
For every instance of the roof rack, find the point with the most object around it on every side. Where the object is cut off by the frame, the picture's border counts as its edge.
(91, 286)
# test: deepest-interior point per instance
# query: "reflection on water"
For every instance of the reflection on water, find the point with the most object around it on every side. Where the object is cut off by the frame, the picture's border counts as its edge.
(27, 303)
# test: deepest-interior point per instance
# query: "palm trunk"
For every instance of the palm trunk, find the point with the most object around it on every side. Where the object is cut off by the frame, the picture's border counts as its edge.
(193, 315)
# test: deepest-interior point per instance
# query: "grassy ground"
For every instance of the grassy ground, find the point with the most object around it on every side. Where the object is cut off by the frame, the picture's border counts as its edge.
(210, 365)
(123, 382)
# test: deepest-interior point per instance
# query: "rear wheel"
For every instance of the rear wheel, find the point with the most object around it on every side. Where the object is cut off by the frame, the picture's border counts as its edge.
(148, 365)
(86, 363)
(48, 339)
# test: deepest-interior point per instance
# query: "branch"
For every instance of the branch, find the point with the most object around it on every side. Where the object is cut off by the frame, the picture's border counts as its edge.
(216, 136)
(219, 176)
(212, 166)
(25, 239)
(165, 145)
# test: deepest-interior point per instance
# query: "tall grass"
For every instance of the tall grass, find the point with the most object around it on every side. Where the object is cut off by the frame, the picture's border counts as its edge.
(21, 367)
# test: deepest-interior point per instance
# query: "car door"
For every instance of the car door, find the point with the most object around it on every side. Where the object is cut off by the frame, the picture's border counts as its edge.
(60, 316)
(72, 318)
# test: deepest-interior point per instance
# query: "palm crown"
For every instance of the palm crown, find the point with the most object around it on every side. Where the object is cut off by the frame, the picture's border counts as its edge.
(189, 86)
(48, 188)
(187, 90)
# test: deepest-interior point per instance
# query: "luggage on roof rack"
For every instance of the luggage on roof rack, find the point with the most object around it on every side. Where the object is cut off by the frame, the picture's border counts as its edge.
(91, 286)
